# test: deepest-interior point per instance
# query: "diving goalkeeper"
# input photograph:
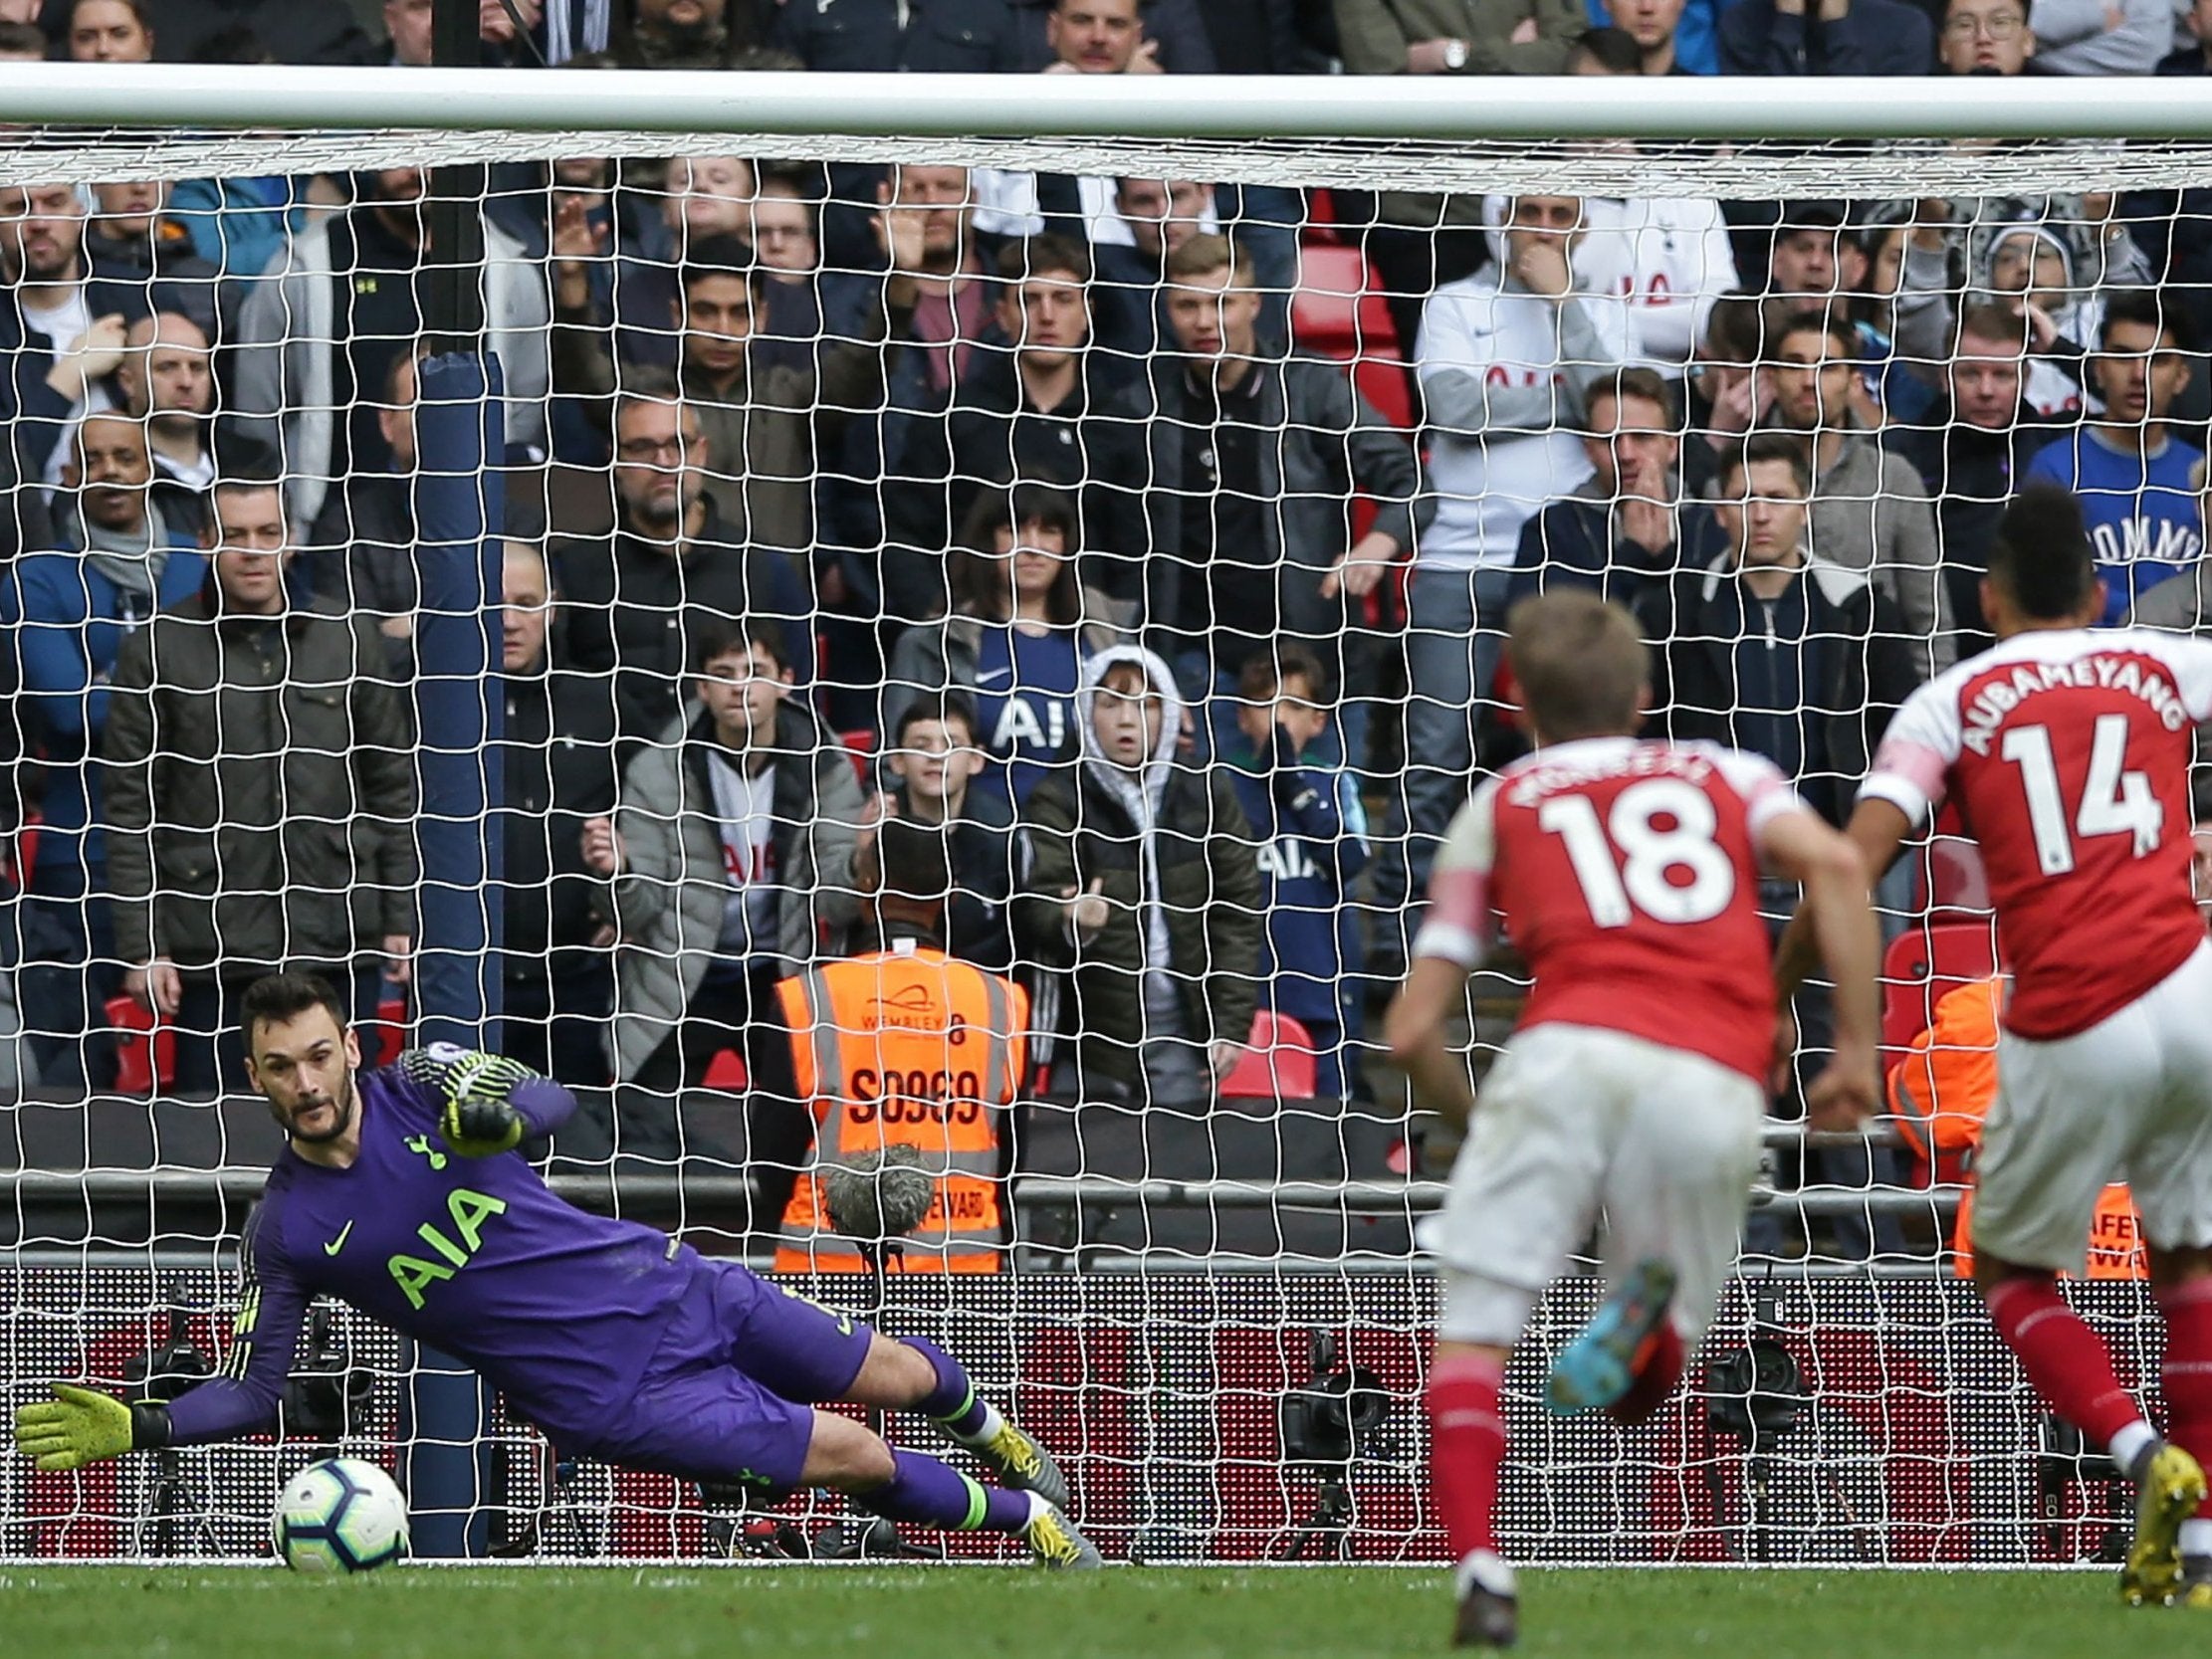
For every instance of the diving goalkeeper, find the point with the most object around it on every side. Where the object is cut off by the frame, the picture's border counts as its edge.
(400, 1193)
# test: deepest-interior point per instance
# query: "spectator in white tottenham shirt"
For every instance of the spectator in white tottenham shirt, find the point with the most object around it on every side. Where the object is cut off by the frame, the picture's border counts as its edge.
(1503, 361)
(1668, 257)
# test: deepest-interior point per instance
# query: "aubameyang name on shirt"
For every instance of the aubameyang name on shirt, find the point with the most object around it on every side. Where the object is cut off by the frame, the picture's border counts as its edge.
(1999, 697)
(1548, 777)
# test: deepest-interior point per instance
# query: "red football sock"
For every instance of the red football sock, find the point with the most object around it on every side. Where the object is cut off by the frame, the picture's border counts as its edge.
(2187, 1370)
(1658, 1367)
(2066, 1361)
(1467, 1445)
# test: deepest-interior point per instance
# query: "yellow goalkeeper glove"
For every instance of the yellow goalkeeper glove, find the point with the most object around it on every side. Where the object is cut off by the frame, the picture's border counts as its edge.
(78, 1426)
(480, 1119)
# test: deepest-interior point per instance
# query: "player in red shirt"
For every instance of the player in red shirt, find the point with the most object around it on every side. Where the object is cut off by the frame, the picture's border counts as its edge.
(2066, 751)
(1628, 874)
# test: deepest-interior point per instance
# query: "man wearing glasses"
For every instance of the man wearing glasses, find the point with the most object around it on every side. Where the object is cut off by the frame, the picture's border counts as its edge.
(636, 599)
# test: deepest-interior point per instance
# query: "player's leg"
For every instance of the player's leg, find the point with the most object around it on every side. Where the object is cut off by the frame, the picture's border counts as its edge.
(2182, 1283)
(913, 1487)
(1675, 1197)
(1523, 1194)
(2066, 1115)
(806, 1351)
(2169, 1171)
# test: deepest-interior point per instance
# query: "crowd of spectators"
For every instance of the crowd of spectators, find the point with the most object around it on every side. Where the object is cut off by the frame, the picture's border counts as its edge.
(1024, 503)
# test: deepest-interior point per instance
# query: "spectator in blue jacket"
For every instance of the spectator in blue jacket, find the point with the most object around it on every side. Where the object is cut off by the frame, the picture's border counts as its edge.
(1311, 832)
(1628, 527)
(1825, 37)
(71, 610)
(2138, 482)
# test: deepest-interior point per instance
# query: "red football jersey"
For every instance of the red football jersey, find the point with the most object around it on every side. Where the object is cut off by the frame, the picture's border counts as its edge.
(1628, 872)
(2068, 754)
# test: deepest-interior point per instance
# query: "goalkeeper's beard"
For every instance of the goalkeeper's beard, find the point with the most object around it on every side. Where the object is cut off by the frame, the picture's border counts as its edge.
(343, 1100)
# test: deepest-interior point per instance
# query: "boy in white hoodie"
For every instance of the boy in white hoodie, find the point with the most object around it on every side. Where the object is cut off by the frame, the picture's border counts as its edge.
(1141, 882)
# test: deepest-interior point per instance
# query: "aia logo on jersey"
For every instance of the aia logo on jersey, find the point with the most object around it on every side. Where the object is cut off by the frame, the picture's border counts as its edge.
(1287, 859)
(1031, 724)
(1656, 289)
(1521, 374)
(744, 865)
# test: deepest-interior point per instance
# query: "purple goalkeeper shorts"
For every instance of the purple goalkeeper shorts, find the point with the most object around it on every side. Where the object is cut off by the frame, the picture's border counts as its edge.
(725, 1396)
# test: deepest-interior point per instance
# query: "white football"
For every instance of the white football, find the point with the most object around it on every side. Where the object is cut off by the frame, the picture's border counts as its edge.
(340, 1515)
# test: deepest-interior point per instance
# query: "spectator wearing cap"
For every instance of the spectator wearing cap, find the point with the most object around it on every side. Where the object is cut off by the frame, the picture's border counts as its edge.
(1825, 37)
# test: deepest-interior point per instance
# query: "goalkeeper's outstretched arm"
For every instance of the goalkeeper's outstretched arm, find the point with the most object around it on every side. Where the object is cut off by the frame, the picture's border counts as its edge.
(78, 1425)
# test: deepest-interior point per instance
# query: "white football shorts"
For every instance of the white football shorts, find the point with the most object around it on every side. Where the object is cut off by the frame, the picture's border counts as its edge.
(2128, 1100)
(1575, 1121)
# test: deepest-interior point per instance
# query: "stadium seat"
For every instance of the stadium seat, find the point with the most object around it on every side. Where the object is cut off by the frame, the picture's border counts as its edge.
(145, 1052)
(726, 1072)
(385, 1035)
(1279, 1064)
(1382, 381)
(1321, 229)
(1922, 967)
(861, 746)
(1337, 309)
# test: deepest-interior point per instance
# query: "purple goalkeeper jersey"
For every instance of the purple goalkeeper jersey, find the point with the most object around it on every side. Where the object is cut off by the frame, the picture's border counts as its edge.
(559, 1309)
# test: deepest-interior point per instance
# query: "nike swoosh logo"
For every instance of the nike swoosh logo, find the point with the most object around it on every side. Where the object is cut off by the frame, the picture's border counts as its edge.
(990, 674)
(338, 1243)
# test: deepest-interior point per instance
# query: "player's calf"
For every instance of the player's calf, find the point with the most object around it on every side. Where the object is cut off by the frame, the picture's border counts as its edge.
(949, 1400)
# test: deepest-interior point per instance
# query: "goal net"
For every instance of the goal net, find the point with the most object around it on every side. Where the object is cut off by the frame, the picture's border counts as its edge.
(857, 451)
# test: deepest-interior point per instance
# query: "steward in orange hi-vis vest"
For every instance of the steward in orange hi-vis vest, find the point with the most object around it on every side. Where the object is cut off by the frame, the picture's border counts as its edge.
(905, 1046)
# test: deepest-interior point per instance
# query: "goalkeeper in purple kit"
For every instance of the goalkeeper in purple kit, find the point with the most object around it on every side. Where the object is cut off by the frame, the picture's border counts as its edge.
(400, 1193)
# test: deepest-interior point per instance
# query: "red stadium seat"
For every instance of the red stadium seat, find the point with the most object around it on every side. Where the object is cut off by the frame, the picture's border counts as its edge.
(1382, 381)
(1922, 967)
(726, 1072)
(861, 746)
(145, 1052)
(1279, 1064)
(1337, 309)
(384, 1036)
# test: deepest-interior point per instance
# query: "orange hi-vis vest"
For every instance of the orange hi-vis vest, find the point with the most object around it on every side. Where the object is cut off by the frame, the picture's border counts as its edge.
(1942, 1089)
(905, 1046)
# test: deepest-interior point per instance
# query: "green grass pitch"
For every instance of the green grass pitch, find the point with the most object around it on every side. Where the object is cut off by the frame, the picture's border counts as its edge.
(925, 1613)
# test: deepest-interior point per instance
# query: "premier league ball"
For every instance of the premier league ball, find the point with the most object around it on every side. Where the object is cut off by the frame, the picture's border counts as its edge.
(340, 1515)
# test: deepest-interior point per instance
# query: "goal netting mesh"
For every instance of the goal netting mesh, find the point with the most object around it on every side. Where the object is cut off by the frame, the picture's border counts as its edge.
(891, 437)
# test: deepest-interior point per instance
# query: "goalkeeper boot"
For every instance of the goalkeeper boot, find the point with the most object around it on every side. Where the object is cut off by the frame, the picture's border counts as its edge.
(1598, 1366)
(1055, 1541)
(1490, 1612)
(2171, 1487)
(1017, 1461)
(2196, 1582)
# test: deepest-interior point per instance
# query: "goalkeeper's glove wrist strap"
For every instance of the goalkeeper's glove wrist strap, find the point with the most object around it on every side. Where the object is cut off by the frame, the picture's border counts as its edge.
(149, 1425)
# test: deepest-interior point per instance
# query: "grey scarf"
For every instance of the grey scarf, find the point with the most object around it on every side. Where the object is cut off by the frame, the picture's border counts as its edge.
(132, 561)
